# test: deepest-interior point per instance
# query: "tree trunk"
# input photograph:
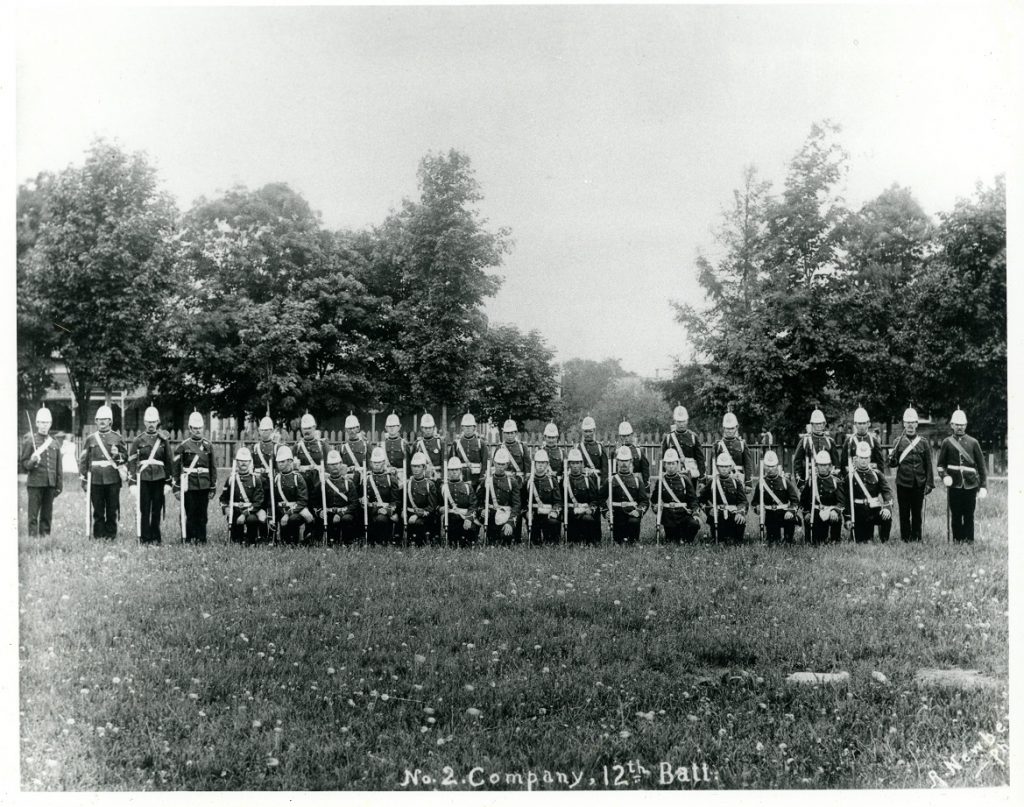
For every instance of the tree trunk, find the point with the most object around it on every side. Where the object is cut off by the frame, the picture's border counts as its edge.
(444, 418)
(82, 390)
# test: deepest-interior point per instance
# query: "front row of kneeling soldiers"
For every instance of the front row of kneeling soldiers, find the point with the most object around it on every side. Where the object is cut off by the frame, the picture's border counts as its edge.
(349, 508)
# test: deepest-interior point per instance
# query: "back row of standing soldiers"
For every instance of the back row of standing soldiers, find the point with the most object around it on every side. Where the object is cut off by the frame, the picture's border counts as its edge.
(421, 490)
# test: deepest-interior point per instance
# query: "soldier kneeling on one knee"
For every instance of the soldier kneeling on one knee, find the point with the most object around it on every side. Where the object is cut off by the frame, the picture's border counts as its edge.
(291, 497)
(242, 500)
(872, 498)
(344, 510)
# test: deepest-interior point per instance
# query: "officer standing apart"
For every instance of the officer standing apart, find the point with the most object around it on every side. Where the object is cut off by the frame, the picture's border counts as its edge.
(41, 460)
(149, 467)
(872, 498)
(195, 467)
(676, 496)
(781, 501)
(962, 465)
(912, 458)
(104, 454)
(629, 498)
(242, 501)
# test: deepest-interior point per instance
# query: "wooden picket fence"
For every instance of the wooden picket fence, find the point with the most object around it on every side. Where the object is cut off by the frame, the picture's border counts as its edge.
(226, 443)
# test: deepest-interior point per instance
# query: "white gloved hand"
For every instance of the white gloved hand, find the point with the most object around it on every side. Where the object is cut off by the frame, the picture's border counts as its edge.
(982, 493)
(947, 480)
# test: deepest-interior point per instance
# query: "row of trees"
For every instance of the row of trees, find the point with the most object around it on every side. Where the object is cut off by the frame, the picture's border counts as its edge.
(815, 304)
(247, 302)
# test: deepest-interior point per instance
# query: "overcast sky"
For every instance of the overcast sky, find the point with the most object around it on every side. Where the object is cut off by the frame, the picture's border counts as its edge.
(608, 139)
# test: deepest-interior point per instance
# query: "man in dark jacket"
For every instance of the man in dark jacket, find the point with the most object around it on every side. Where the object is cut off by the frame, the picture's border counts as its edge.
(962, 465)
(912, 458)
(41, 460)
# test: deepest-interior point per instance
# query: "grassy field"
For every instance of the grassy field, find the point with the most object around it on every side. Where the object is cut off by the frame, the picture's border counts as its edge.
(220, 667)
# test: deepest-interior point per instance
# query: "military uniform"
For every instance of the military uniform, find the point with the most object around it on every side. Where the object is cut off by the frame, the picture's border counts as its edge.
(586, 506)
(849, 451)
(871, 494)
(460, 501)
(424, 502)
(595, 459)
(247, 504)
(687, 446)
(194, 458)
(546, 500)
(641, 464)
(831, 494)
(292, 497)
(41, 460)
(264, 466)
(354, 454)
(105, 454)
(628, 492)
(384, 501)
(434, 449)
(344, 510)
(310, 455)
(737, 448)
(912, 459)
(503, 491)
(676, 496)
(398, 453)
(962, 459)
(556, 459)
(731, 500)
(149, 466)
(472, 451)
(780, 496)
(807, 449)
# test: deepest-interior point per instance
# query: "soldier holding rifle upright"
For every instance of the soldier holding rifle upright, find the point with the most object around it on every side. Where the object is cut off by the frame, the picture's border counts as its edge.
(777, 500)
(430, 444)
(556, 455)
(861, 434)
(544, 499)
(872, 497)
(242, 500)
(460, 504)
(824, 500)
(686, 444)
(41, 460)
(499, 498)
(150, 462)
(264, 467)
(195, 474)
(103, 469)
(628, 497)
(962, 465)
(586, 502)
(344, 510)
(725, 502)
(595, 458)
(471, 449)
(675, 497)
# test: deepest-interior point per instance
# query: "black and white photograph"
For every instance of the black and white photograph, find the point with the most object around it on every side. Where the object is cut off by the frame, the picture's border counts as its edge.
(487, 399)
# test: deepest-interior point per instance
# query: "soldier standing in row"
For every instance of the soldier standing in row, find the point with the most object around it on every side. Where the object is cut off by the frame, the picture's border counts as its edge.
(104, 456)
(310, 452)
(396, 449)
(556, 456)
(344, 510)
(460, 502)
(383, 499)
(432, 447)
(962, 466)
(641, 464)
(811, 443)
(686, 444)
(292, 497)
(195, 472)
(242, 501)
(586, 502)
(471, 450)
(911, 456)
(861, 434)
(629, 498)
(595, 458)
(725, 502)
(675, 497)
(736, 447)
(41, 460)
(500, 499)
(265, 469)
(355, 447)
(424, 502)
(781, 501)
(149, 466)
(544, 497)
(824, 501)
(872, 498)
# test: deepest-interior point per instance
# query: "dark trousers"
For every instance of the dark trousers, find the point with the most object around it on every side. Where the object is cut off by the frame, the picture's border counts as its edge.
(425, 530)
(106, 505)
(777, 529)
(290, 526)
(961, 513)
(496, 535)
(826, 532)
(344, 528)
(727, 531)
(626, 529)
(911, 502)
(151, 505)
(864, 528)
(314, 532)
(681, 530)
(545, 531)
(458, 535)
(248, 531)
(40, 510)
(196, 506)
(382, 530)
(584, 530)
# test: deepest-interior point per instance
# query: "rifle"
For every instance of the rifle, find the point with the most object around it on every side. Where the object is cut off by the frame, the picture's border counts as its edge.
(273, 505)
(529, 508)
(31, 432)
(88, 488)
(405, 503)
(658, 529)
(231, 499)
(714, 506)
(814, 495)
(445, 498)
(611, 517)
(323, 491)
(366, 507)
(760, 489)
(487, 501)
(853, 507)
